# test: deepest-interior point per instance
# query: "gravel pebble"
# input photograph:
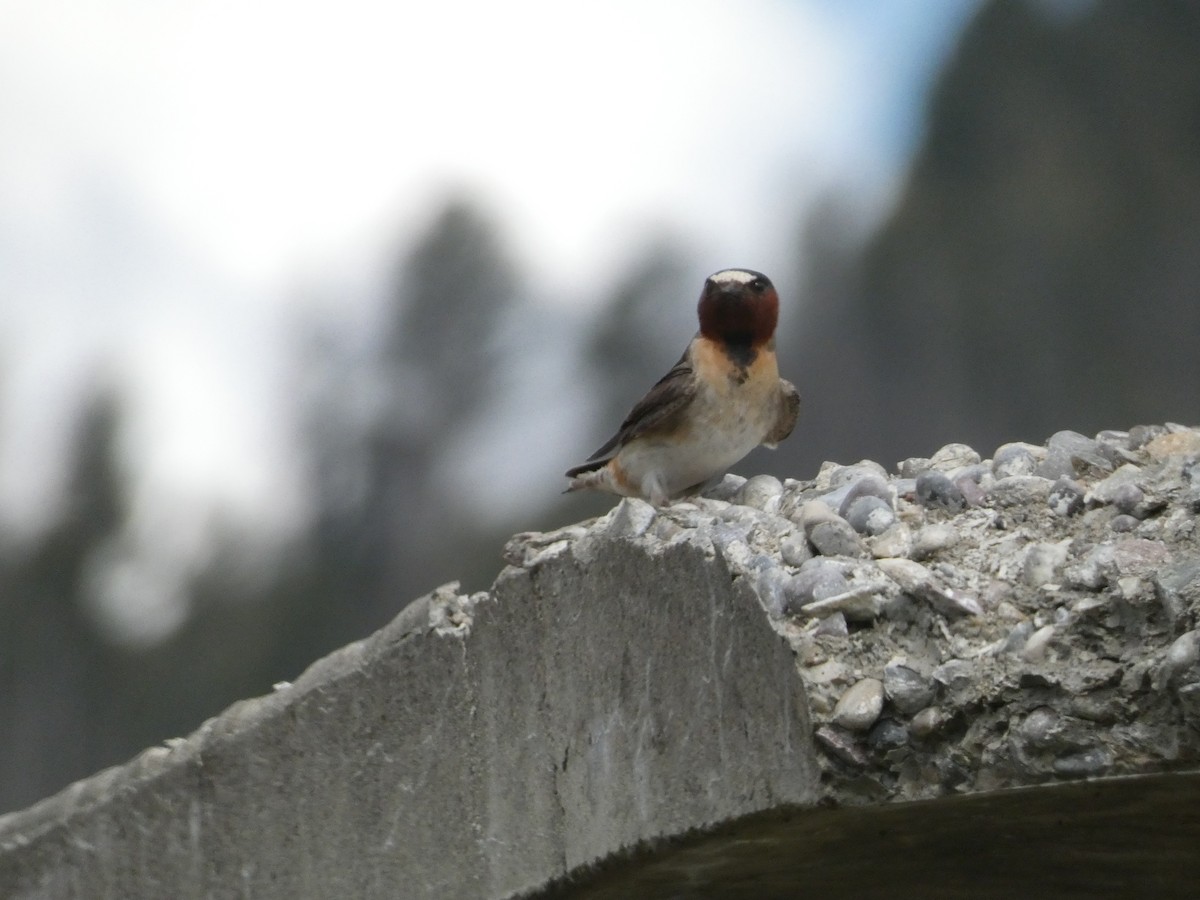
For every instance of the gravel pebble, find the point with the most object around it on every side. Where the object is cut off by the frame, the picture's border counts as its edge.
(795, 550)
(859, 604)
(1181, 656)
(833, 625)
(973, 491)
(954, 674)
(840, 745)
(1019, 490)
(1085, 764)
(1035, 648)
(869, 485)
(836, 538)
(1017, 638)
(726, 489)
(913, 466)
(916, 580)
(953, 456)
(936, 491)
(860, 706)
(870, 515)
(1084, 453)
(814, 581)
(630, 518)
(1016, 459)
(1185, 443)
(907, 689)
(1066, 497)
(887, 734)
(761, 492)
(1123, 523)
(927, 722)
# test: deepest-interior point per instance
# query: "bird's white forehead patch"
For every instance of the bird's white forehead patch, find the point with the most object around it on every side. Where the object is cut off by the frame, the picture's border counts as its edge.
(737, 276)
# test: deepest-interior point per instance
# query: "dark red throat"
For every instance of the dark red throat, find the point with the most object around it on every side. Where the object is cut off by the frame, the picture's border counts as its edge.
(739, 314)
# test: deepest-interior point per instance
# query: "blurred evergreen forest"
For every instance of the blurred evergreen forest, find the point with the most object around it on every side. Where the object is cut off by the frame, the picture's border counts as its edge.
(1039, 270)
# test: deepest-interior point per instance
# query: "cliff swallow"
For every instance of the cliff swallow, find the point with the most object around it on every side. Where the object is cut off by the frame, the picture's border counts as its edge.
(721, 400)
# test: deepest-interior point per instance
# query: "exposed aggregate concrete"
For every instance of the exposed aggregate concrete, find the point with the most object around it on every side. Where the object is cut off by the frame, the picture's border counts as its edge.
(967, 624)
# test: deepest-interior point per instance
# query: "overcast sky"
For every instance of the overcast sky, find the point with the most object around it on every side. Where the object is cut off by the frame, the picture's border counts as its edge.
(173, 175)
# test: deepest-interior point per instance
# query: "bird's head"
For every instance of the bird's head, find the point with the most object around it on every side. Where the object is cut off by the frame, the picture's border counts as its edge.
(739, 307)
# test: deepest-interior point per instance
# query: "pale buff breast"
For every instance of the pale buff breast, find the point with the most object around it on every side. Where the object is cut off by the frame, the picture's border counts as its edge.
(728, 418)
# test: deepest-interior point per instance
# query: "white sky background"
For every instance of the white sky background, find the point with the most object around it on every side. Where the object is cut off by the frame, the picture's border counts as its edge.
(175, 175)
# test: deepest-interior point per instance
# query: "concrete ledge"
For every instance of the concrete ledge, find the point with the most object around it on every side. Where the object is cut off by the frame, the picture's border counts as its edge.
(477, 747)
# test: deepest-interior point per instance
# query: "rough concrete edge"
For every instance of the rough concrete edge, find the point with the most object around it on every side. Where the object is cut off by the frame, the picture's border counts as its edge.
(22, 827)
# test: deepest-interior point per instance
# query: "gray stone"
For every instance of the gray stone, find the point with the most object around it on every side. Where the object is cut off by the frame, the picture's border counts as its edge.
(1017, 638)
(906, 688)
(795, 550)
(887, 734)
(1044, 730)
(1178, 586)
(917, 581)
(815, 581)
(1019, 490)
(927, 722)
(1056, 464)
(836, 538)
(762, 492)
(727, 489)
(1084, 764)
(1118, 440)
(860, 706)
(630, 518)
(860, 603)
(869, 485)
(833, 625)
(1140, 435)
(973, 490)
(841, 745)
(1123, 524)
(1016, 459)
(814, 512)
(936, 491)
(870, 515)
(1131, 500)
(1085, 454)
(955, 674)
(1181, 658)
(1066, 497)
(1035, 648)
(1093, 571)
(913, 466)
(1104, 490)
(953, 456)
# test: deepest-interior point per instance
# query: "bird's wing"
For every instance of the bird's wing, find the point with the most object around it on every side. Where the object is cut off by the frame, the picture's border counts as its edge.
(789, 412)
(660, 408)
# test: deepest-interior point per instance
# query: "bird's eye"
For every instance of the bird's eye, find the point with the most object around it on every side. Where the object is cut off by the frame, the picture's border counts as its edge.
(759, 284)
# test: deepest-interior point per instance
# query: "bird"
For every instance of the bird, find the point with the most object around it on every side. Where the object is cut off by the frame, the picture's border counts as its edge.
(721, 400)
